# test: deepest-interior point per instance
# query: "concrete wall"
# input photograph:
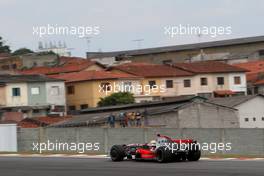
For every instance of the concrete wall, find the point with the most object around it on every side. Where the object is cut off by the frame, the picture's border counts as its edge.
(33, 60)
(243, 141)
(8, 138)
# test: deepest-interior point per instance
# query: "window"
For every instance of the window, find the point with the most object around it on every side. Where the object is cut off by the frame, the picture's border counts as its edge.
(169, 83)
(128, 86)
(106, 86)
(246, 119)
(70, 90)
(237, 80)
(84, 106)
(220, 81)
(14, 66)
(72, 108)
(5, 67)
(261, 52)
(58, 108)
(187, 83)
(152, 84)
(16, 92)
(35, 64)
(35, 111)
(167, 62)
(35, 91)
(55, 90)
(254, 119)
(119, 58)
(262, 118)
(204, 82)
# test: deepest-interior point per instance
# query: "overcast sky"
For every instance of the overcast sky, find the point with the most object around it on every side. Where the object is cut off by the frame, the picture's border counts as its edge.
(122, 21)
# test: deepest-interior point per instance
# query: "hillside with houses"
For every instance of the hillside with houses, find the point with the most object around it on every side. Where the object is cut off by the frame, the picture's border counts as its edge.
(182, 94)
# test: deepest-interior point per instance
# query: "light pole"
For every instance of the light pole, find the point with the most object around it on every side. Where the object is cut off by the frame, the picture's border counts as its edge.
(88, 42)
(139, 41)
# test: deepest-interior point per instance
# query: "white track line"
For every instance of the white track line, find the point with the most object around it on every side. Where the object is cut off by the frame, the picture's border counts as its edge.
(107, 157)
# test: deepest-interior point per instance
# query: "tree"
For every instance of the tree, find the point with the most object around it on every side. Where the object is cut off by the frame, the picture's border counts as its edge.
(4, 48)
(22, 51)
(119, 98)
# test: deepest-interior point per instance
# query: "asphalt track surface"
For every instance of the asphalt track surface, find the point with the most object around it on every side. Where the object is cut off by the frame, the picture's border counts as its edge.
(13, 166)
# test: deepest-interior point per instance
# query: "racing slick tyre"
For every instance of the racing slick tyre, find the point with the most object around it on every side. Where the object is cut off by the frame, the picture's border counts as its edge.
(194, 155)
(117, 153)
(163, 155)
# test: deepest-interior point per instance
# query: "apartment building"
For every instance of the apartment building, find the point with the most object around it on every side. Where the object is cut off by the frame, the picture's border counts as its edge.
(32, 95)
(237, 50)
(161, 77)
(206, 78)
(212, 78)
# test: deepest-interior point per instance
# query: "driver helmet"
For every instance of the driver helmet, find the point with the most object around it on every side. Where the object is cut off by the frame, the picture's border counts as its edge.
(153, 143)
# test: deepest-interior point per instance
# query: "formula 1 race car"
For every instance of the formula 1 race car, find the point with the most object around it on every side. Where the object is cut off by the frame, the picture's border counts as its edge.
(163, 149)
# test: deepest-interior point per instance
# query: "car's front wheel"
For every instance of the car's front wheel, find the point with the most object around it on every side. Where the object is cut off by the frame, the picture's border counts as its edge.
(163, 155)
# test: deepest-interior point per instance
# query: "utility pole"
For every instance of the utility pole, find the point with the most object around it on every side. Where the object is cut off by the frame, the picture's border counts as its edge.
(88, 42)
(139, 41)
(199, 35)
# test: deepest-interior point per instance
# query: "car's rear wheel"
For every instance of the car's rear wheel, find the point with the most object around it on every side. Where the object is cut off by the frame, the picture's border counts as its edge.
(194, 155)
(117, 153)
(163, 155)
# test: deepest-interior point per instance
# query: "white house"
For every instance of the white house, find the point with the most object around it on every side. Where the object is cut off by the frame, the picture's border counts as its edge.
(250, 109)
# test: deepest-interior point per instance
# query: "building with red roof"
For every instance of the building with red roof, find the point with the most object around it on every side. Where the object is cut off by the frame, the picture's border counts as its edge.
(204, 78)
(163, 77)
(204, 67)
(151, 70)
(85, 89)
(42, 121)
(212, 76)
(67, 65)
(255, 76)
